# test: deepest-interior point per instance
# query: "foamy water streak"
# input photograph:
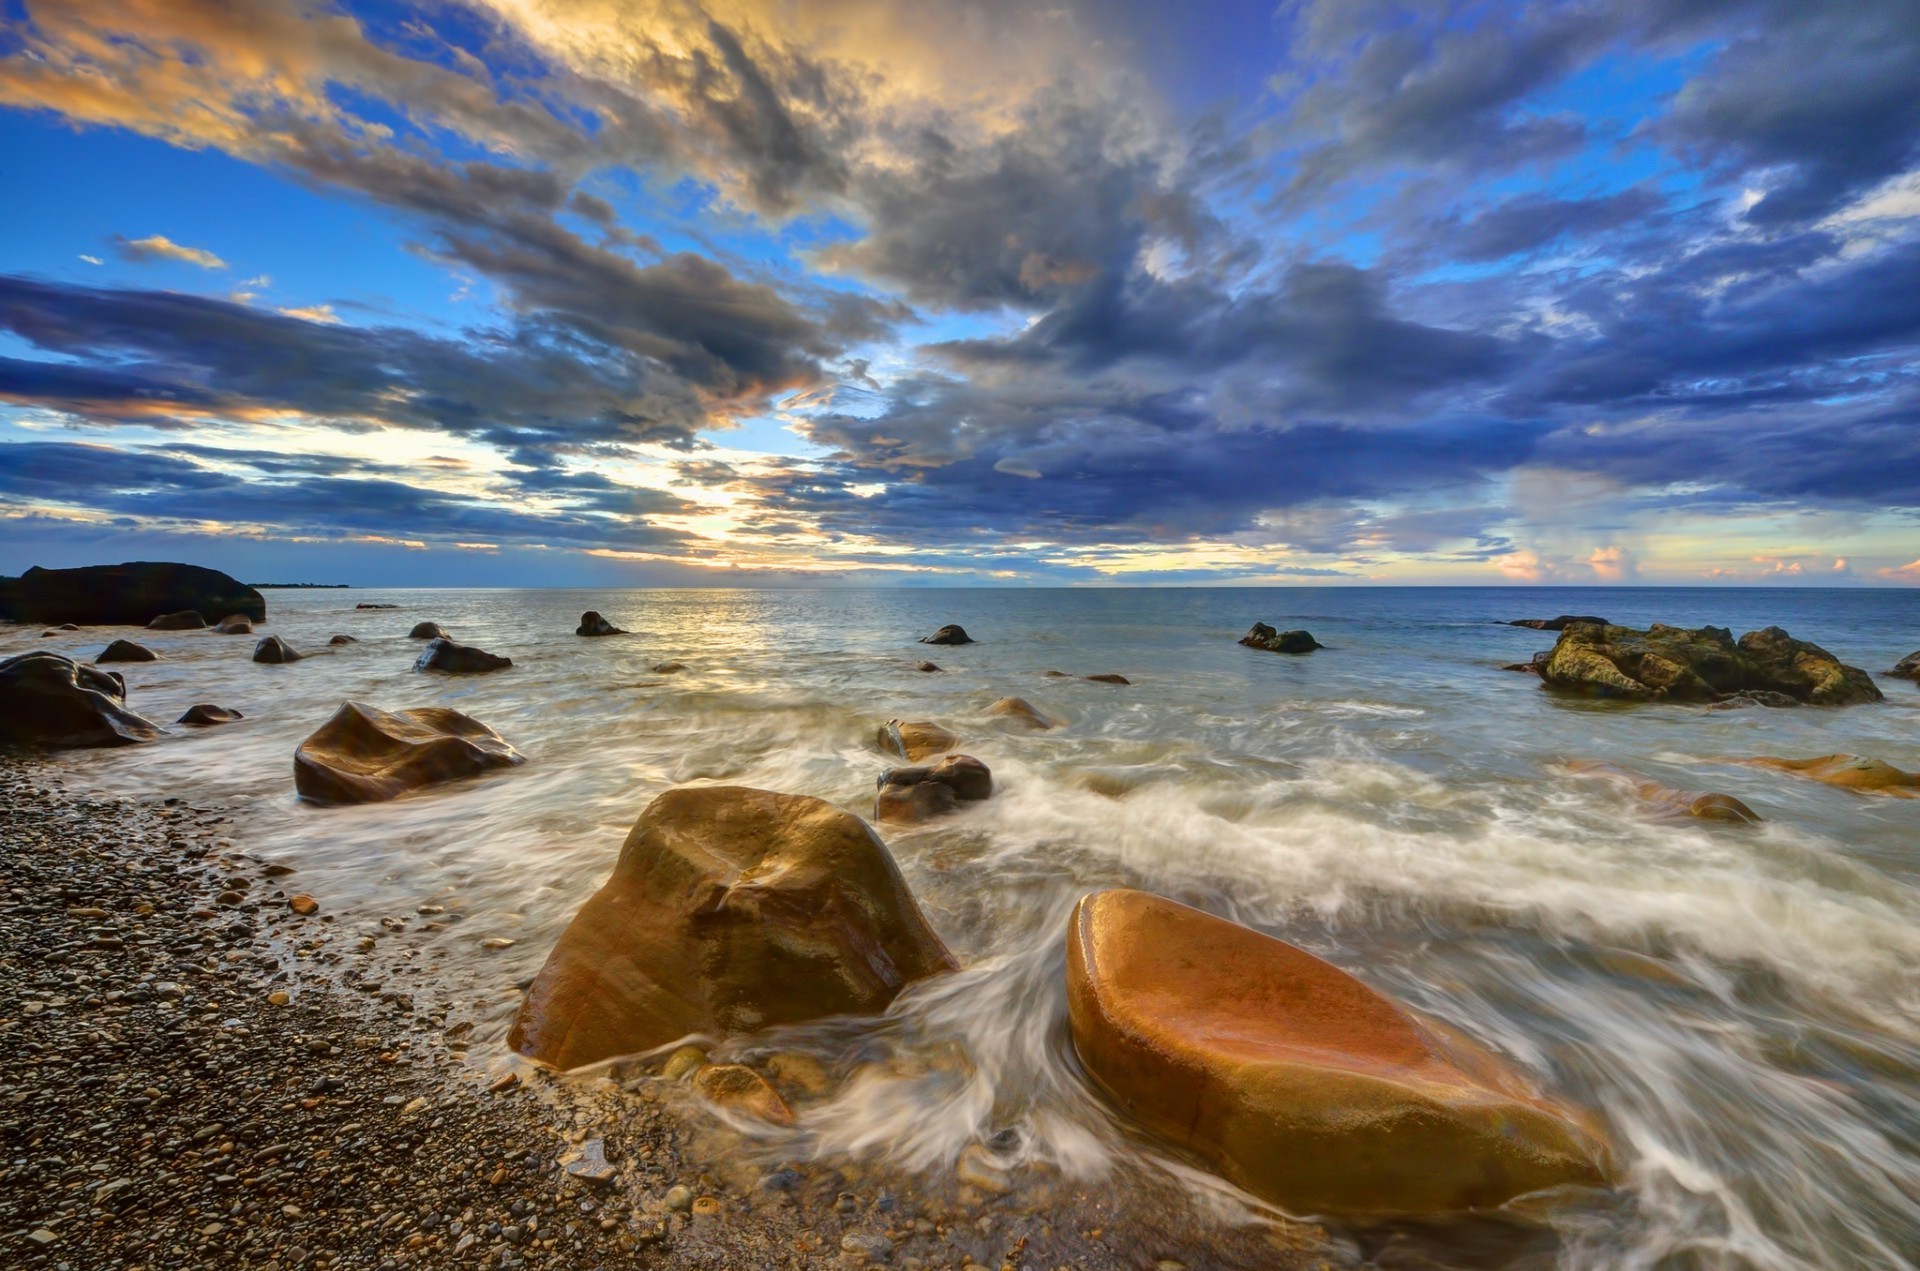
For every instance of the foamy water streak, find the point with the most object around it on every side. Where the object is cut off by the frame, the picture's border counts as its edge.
(1743, 1007)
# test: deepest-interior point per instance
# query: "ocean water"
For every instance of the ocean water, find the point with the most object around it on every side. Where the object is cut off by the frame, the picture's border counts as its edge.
(1740, 1007)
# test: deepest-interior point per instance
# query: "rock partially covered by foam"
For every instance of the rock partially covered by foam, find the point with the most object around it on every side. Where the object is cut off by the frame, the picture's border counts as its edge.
(1295, 1080)
(1022, 712)
(914, 740)
(47, 699)
(909, 796)
(1666, 803)
(1262, 636)
(1848, 772)
(367, 755)
(729, 910)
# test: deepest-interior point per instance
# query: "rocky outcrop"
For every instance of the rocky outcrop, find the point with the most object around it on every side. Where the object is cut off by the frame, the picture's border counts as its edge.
(1678, 664)
(233, 624)
(1907, 668)
(1265, 637)
(364, 605)
(367, 755)
(126, 595)
(592, 624)
(274, 651)
(53, 701)
(908, 796)
(1561, 623)
(459, 659)
(342, 639)
(1022, 712)
(952, 633)
(127, 651)
(1295, 1080)
(915, 740)
(427, 631)
(729, 910)
(1665, 803)
(206, 714)
(1849, 772)
(185, 620)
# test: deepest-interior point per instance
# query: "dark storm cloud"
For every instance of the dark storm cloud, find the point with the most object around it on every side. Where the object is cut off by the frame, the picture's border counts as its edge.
(1534, 221)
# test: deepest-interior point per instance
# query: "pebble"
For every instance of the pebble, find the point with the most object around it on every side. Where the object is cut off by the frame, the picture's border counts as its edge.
(279, 997)
(679, 1198)
(303, 904)
(505, 1083)
(683, 1063)
(879, 1248)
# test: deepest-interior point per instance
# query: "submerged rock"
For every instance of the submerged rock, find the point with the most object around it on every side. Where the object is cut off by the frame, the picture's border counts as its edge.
(1532, 667)
(1262, 636)
(444, 654)
(427, 631)
(592, 624)
(729, 910)
(1849, 772)
(367, 755)
(1023, 712)
(1561, 623)
(127, 595)
(274, 651)
(952, 633)
(1107, 679)
(1907, 668)
(738, 1088)
(185, 620)
(916, 740)
(207, 714)
(1295, 1080)
(47, 699)
(1665, 803)
(342, 639)
(908, 796)
(364, 605)
(127, 651)
(925, 666)
(667, 668)
(233, 624)
(1705, 664)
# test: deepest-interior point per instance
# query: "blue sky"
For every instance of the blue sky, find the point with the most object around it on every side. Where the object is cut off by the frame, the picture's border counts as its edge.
(592, 292)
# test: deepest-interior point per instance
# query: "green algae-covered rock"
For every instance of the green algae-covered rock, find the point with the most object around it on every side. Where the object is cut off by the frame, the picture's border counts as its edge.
(1703, 664)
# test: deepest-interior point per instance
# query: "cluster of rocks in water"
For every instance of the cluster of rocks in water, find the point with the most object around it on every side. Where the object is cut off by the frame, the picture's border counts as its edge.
(1703, 664)
(1265, 637)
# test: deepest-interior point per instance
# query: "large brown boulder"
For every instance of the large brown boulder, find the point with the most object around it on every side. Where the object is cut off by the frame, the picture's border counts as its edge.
(127, 651)
(908, 796)
(729, 910)
(366, 755)
(1262, 636)
(275, 651)
(1849, 772)
(915, 740)
(126, 595)
(592, 624)
(185, 620)
(1705, 664)
(234, 624)
(50, 700)
(1665, 803)
(446, 654)
(1022, 712)
(1295, 1080)
(427, 631)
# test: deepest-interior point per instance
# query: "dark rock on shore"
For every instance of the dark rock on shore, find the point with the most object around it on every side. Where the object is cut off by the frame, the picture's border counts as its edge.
(729, 910)
(367, 755)
(1907, 668)
(1666, 663)
(127, 595)
(908, 796)
(444, 654)
(952, 633)
(185, 620)
(427, 631)
(127, 651)
(592, 624)
(52, 701)
(1561, 623)
(206, 714)
(1265, 637)
(274, 651)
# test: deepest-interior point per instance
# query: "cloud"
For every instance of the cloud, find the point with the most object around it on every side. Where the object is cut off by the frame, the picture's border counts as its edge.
(308, 313)
(1907, 573)
(141, 251)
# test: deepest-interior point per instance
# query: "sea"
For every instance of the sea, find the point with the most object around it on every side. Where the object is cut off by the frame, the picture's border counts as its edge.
(1740, 1006)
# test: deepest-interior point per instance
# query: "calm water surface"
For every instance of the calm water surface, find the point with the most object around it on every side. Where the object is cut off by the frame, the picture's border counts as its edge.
(1742, 1008)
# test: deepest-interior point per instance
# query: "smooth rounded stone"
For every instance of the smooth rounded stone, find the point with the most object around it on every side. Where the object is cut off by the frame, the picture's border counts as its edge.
(445, 654)
(1021, 711)
(274, 651)
(914, 740)
(1907, 668)
(127, 651)
(729, 910)
(1107, 679)
(126, 595)
(1262, 636)
(366, 755)
(1561, 623)
(207, 714)
(1702, 664)
(667, 668)
(738, 1088)
(303, 904)
(927, 667)
(1295, 1080)
(185, 620)
(592, 624)
(50, 700)
(909, 796)
(679, 1198)
(1849, 772)
(952, 633)
(342, 639)
(1665, 803)
(683, 1063)
(427, 631)
(867, 1244)
(234, 624)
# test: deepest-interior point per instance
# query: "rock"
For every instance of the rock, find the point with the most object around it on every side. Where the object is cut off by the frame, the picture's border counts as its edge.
(233, 624)
(427, 631)
(127, 651)
(1532, 667)
(342, 639)
(925, 666)
(1753, 697)
(976, 1168)
(1056, 675)
(1262, 636)
(683, 1063)
(588, 1163)
(729, 910)
(365, 755)
(50, 700)
(206, 714)
(908, 796)
(444, 654)
(668, 668)
(1907, 668)
(1561, 623)
(738, 1088)
(1295, 1080)
(127, 595)
(679, 1198)
(185, 620)
(914, 741)
(867, 1244)
(501, 1085)
(1849, 772)
(952, 633)
(592, 624)
(1021, 711)
(1107, 679)
(364, 605)
(1666, 663)
(303, 904)
(274, 651)
(1664, 803)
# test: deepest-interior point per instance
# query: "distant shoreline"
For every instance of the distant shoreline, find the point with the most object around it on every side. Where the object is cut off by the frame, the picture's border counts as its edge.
(299, 586)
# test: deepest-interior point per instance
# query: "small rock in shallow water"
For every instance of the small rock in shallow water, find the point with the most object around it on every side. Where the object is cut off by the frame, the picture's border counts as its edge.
(683, 1063)
(303, 904)
(739, 1088)
(588, 1162)
(679, 1198)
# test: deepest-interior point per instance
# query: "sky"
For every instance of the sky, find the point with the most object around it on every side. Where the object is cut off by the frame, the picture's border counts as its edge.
(963, 292)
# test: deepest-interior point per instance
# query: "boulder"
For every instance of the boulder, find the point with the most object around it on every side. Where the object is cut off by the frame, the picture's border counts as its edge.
(459, 659)
(185, 620)
(914, 741)
(729, 910)
(1561, 623)
(1907, 668)
(1705, 664)
(273, 650)
(206, 714)
(53, 701)
(364, 605)
(1295, 1080)
(1021, 711)
(1532, 667)
(952, 633)
(1107, 679)
(908, 796)
(427, 631)
(1849, 772)
(925, 666)
(1665, 803)
(233, 624)
(342, 639)
(366, 755)
(592, 624)
(123, 595)
(127, 651)
(1262, 636)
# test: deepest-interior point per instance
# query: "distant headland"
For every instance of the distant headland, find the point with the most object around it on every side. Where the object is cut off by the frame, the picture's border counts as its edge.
(292, 586)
